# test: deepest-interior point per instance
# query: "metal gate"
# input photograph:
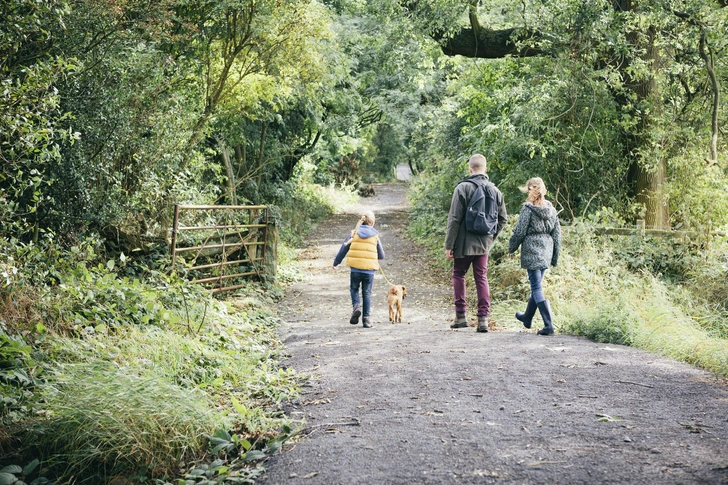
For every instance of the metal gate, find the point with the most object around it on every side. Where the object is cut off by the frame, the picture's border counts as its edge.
(224, 242)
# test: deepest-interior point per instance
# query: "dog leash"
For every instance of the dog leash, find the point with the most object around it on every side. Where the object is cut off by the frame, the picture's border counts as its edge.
(385, 276)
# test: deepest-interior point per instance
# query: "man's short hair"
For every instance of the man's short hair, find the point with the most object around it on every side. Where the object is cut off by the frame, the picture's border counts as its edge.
(477, 163)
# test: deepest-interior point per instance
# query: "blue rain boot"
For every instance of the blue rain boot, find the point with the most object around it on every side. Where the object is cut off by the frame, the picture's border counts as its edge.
(527, 317)
(545, 308)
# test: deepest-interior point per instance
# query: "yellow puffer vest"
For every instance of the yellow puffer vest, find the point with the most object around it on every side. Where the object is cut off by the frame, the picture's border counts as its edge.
(363, 253)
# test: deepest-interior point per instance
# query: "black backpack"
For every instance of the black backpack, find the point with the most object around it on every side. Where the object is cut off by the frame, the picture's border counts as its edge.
(481, 216)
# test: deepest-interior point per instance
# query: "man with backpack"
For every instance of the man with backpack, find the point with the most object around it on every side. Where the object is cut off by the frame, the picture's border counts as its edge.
(477, 215)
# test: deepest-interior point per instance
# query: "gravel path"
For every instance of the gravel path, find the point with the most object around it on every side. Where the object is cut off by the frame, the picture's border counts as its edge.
(417, 402)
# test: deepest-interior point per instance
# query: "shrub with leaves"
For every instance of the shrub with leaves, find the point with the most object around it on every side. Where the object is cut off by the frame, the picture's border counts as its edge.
(609, 325)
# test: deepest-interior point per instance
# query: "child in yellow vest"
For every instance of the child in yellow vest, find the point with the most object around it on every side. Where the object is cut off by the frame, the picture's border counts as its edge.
(362, 250)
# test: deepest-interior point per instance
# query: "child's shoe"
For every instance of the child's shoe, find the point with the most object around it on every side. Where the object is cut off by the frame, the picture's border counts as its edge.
(355, 315)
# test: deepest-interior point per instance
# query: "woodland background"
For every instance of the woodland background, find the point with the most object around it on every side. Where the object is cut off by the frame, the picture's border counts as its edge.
(112, 111)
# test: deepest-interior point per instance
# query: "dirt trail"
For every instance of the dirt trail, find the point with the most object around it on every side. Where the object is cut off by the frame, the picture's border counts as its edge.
(417, 402)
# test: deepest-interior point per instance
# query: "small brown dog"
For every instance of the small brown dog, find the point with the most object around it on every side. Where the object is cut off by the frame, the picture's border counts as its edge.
(395, 295)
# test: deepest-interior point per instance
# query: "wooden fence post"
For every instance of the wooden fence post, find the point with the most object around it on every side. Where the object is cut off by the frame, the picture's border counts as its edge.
(270, 260)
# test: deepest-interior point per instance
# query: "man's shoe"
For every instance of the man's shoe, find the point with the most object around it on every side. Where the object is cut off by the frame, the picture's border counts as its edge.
(366, 322)
(355, 316)
(482, 324)
(460, 321)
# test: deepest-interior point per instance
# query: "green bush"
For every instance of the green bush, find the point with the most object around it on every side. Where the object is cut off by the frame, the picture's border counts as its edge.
(609, 325)
(664, 256)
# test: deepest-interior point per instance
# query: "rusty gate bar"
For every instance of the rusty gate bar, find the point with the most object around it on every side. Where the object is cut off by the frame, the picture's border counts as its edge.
(255, 235)
(220, 246)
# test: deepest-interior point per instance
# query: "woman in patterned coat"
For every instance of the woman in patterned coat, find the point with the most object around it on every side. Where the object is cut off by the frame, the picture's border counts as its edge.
(538, 233)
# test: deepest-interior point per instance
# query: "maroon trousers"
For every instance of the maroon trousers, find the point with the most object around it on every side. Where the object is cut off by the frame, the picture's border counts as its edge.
(480, 272)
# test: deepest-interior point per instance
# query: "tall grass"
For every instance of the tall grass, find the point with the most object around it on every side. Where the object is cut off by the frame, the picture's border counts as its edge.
(229, 353)
(104, 420)
(595, 295)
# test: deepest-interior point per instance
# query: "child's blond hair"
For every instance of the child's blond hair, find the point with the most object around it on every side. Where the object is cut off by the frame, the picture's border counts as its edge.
(367, 218)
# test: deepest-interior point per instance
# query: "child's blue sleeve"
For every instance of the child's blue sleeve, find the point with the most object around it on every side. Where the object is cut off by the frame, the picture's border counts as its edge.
(342, 252)
(380, 250)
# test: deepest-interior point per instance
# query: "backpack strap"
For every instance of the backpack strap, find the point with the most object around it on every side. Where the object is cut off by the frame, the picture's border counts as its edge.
(477, 184)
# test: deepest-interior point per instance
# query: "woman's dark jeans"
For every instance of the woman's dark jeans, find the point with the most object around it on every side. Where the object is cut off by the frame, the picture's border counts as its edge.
(534, 277)
(366, 281)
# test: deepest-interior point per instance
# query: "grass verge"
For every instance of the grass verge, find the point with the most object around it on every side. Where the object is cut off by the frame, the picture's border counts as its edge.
(595, 293)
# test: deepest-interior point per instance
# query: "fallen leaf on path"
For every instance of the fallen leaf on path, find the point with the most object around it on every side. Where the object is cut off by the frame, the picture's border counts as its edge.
(484, 473)
(605, 418)
(315, 401)
(310, 475)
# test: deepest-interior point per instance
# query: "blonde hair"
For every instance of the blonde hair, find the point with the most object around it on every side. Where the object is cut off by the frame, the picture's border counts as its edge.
(366, 218)
(536, 190)
(477, 163)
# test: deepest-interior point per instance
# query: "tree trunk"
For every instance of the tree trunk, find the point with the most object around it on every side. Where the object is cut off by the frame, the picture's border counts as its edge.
(241, 158)
(648, 171)
(230, 182)
(708, 59)
(650, 188)
(261, 151)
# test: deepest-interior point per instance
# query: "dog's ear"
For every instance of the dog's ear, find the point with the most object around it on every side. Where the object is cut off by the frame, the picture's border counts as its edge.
(404, 291)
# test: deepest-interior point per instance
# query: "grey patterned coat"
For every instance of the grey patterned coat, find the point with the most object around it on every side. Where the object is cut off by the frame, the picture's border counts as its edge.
(538, 232)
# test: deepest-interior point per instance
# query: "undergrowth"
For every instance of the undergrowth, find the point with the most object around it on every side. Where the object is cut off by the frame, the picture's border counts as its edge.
(112, 367)
(105, 375)
(665, 296)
